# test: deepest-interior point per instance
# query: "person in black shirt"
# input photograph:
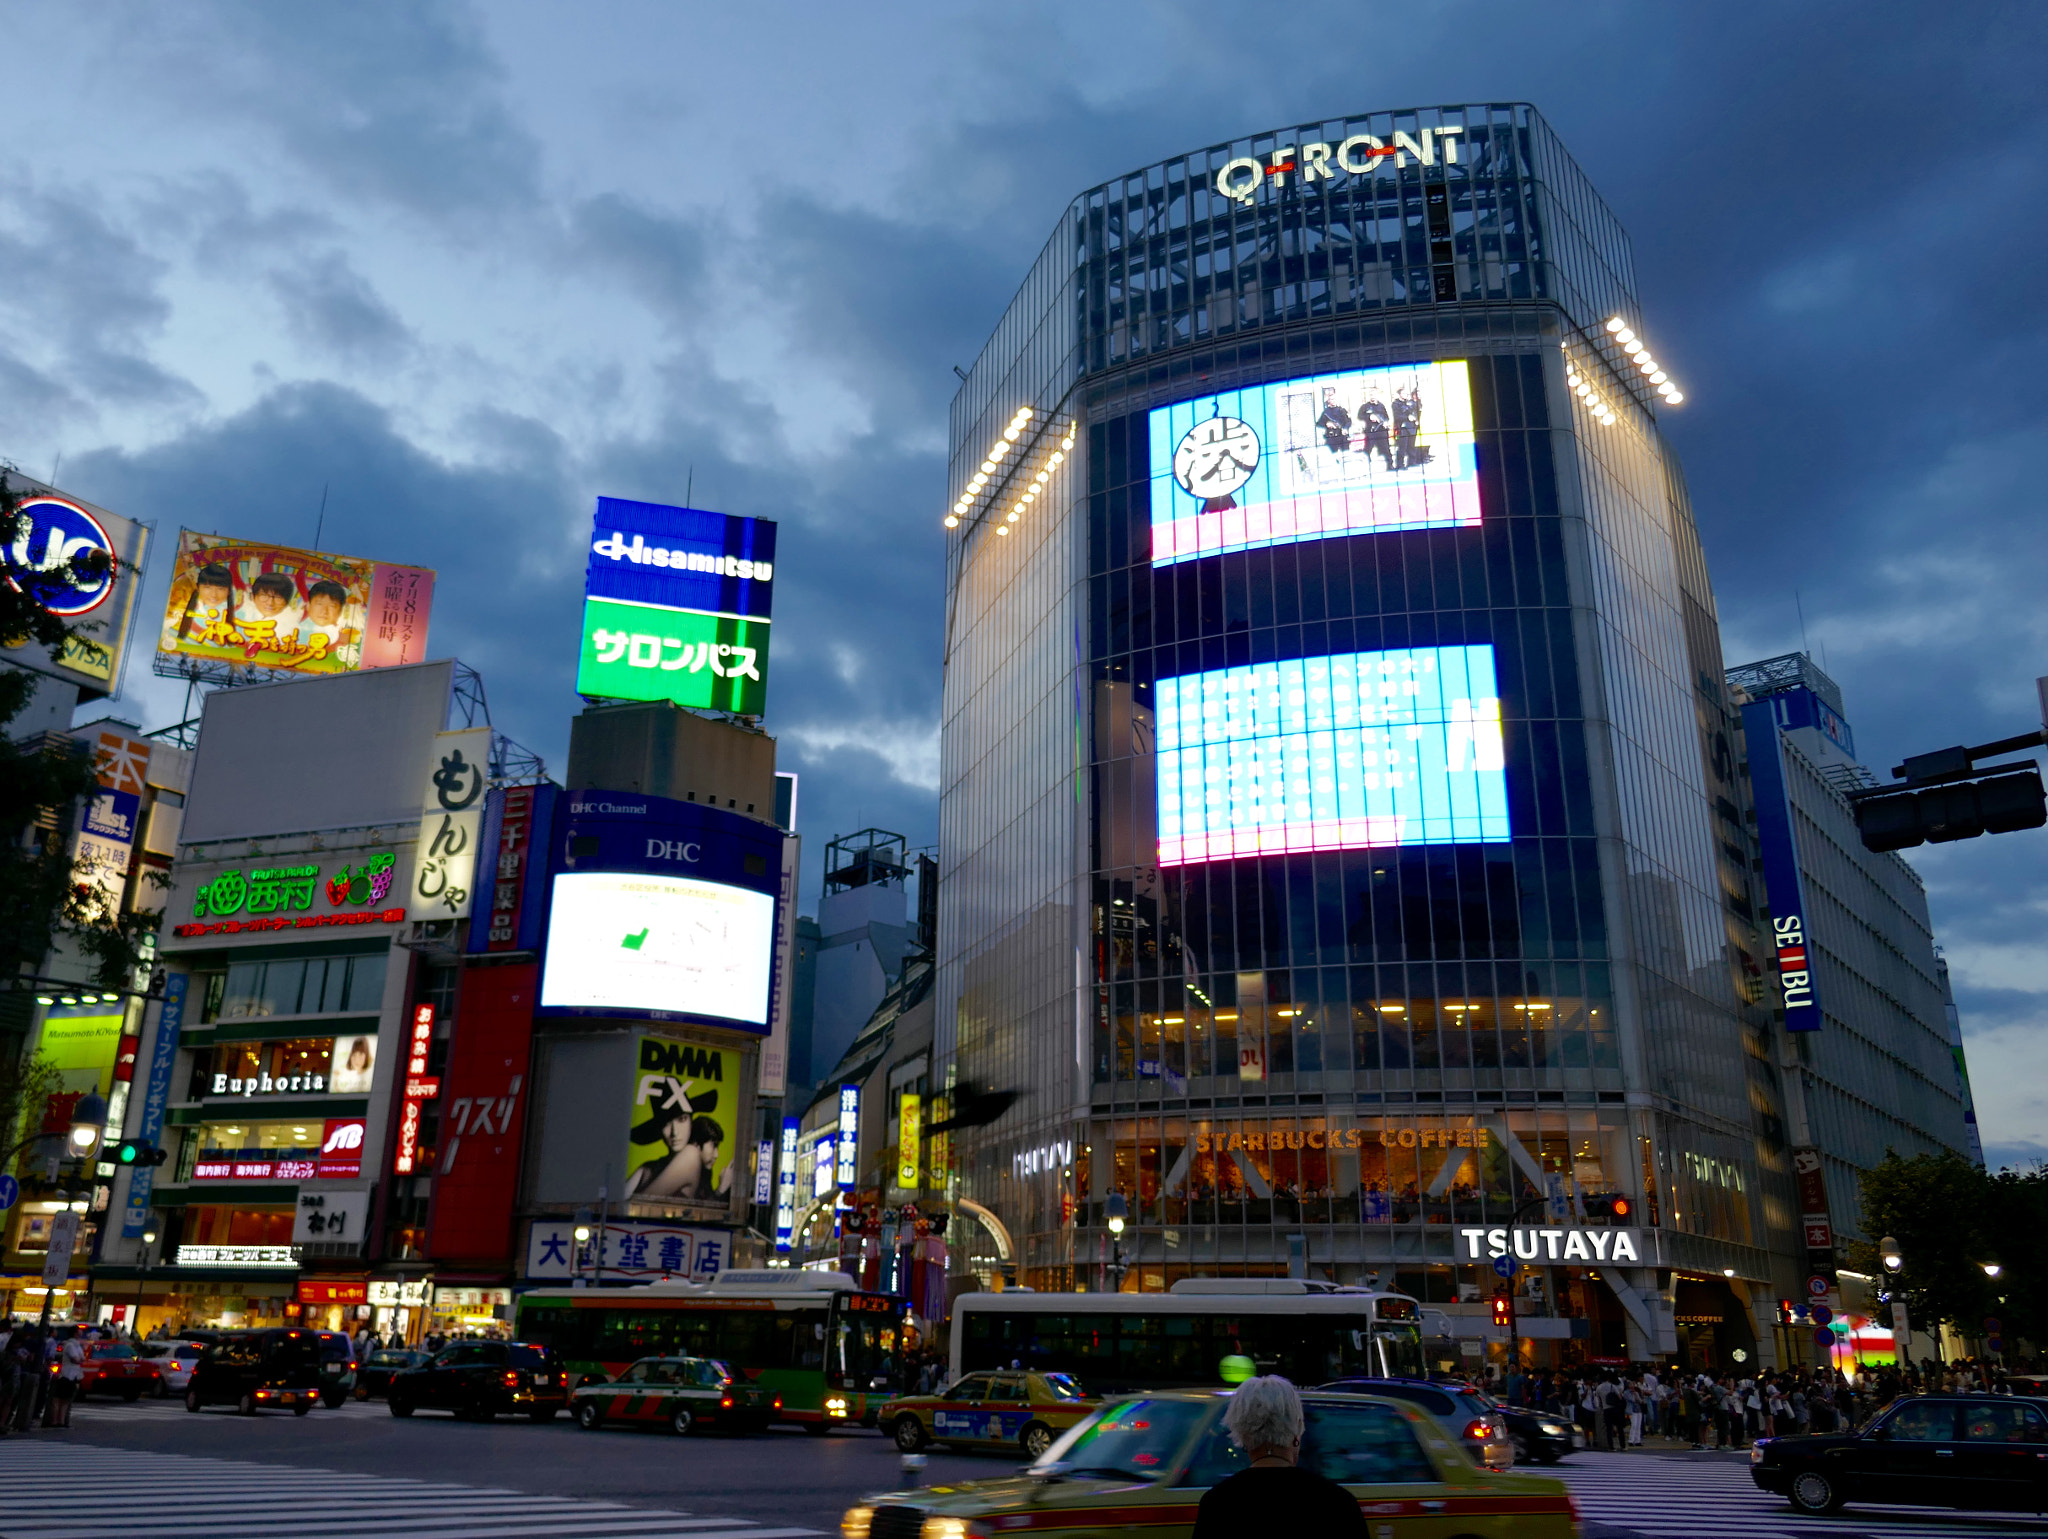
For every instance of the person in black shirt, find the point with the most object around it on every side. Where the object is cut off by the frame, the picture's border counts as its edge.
(1265, 1420)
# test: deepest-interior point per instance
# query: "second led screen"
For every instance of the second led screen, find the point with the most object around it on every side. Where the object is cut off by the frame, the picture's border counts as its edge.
(620, 941)
(1358, 452)
(1357, 750)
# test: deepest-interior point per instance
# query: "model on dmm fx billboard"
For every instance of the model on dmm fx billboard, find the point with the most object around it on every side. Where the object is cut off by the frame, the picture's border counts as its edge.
(677, 1150)
(272, 606)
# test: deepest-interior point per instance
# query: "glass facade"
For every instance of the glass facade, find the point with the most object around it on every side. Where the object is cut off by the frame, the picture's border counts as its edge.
(1336, 782)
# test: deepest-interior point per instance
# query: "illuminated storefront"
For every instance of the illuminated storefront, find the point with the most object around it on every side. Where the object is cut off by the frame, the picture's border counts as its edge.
(1330, 786)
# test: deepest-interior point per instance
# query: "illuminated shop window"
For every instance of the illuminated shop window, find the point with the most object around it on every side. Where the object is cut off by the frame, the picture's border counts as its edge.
(1329, 753)
(1358, 452)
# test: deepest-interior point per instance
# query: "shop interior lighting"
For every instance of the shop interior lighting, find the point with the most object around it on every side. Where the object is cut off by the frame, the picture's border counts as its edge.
(1639, 355)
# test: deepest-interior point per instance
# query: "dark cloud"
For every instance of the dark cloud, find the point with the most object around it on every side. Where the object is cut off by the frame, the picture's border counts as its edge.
(330, 307)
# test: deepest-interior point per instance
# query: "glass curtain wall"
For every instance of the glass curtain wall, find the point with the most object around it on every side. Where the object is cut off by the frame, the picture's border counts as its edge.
(1256, 1009)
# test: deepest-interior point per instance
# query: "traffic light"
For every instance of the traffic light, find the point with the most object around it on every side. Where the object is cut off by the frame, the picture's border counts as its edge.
(1503, 1310)
(1609, 1205)
(134, 1151)
(2003, 804)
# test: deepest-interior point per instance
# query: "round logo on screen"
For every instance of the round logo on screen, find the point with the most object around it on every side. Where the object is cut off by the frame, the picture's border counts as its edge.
(51, 532)
(1215, 458)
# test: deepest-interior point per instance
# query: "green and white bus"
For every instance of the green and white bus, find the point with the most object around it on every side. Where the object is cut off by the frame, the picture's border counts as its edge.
(1112, 1343)
(813, 1337)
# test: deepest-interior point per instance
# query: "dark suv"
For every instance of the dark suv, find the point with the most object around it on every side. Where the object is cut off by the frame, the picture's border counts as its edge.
(254, 1369)
(480, 1379)
(1474, 1419)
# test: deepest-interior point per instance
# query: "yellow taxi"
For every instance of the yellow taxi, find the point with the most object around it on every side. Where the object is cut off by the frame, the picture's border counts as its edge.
(990, 1410)
(1144, 1463)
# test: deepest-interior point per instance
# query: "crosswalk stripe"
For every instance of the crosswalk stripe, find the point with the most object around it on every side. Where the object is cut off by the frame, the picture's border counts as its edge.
(1669, 1498)
(187, 1496)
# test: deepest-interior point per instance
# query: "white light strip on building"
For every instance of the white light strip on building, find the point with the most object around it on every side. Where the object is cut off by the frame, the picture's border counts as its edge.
(1576, 376)
(1639, 355)
(1011, 462)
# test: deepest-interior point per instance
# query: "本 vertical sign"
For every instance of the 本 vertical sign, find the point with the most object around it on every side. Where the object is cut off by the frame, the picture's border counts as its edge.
(451, 823)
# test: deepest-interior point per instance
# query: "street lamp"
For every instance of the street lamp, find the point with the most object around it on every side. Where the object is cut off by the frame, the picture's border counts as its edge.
(135, 1325)
(1115, 1211)
(1889, 1253)
(1991, 1268)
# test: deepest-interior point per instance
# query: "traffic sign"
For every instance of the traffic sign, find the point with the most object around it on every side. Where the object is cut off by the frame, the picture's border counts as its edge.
(1817, 1286)
(1991, 1325)
(10, 1192)
(1823, 1337)
(63, 1236)
(1996, 1344)
(1822, 1315)
(1505, 1266)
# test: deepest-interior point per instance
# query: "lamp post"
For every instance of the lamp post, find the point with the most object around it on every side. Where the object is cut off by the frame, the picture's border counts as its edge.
(134, 1326)
(581, 1235)
(1115, 1211)
(1894, 1260)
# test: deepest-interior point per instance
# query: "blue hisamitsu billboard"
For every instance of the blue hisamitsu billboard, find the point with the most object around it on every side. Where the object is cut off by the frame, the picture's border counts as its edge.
(676, 606)
(661, 909)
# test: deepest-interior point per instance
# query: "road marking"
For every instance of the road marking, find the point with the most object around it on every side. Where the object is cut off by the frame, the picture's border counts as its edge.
(186, 1496)
(1677, 1498)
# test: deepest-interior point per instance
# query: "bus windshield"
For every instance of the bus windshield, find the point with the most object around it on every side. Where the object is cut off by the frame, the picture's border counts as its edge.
(865, 1336)
(1400, 1350)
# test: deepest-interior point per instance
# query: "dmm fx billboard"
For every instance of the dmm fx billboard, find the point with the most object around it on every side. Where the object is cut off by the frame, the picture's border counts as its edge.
(685, 1102)
(675, 607)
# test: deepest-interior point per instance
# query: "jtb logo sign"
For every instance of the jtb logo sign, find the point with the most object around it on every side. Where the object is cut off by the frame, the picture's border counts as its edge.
(49, 533)
(1794, 972)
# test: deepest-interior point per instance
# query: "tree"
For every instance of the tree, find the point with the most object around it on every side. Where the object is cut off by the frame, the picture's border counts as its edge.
(2018, 1241)
(1939, 1207)
(42, 777)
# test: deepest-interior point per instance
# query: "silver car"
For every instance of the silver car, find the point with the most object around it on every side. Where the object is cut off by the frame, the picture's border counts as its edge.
(174, 1361)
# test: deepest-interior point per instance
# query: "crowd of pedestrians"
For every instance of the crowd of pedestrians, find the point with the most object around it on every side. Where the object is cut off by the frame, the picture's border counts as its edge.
(40, 1375)
(1616, 1408)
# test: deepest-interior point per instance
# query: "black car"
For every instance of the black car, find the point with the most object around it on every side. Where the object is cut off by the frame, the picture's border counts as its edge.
(382, 1366)
(337, 1368)
(1983, 1452)
(480, 1379)
(251, 1370)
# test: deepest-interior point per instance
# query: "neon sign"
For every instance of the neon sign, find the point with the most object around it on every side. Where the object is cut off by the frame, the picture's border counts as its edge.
(1359, 155)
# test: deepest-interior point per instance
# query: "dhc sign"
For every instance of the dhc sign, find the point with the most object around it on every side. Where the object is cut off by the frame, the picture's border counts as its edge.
(1552, 1245)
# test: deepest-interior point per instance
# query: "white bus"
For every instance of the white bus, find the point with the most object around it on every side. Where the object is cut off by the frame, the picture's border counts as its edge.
(1309, 1332)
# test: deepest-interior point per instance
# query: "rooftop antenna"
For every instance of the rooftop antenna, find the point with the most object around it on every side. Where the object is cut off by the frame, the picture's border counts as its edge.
(320, 522)
(1801, 609)
(690, 485)
(56, 466)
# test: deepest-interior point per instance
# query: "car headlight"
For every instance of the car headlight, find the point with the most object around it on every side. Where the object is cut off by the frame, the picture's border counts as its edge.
(857, 1522)
(1550, 1429)
(1756, 1453)
(944, 1528)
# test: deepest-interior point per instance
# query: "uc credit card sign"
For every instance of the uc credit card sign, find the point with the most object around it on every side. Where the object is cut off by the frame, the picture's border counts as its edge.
(676, 606)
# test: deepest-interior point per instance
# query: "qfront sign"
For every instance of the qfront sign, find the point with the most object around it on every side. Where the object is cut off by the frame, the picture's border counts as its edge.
(676, 605)
(1552, 1245)
(1359, 155)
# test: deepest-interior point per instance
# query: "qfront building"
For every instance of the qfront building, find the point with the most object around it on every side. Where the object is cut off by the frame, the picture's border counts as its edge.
(1347, 857)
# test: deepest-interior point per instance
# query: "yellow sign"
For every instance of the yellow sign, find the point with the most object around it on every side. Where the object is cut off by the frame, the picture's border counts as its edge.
(906, 1143)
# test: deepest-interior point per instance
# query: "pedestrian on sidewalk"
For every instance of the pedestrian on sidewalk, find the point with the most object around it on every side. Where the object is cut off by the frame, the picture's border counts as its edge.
(70, 1379)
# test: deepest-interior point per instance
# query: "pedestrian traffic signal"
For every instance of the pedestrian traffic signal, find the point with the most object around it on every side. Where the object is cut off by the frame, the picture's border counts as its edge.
(134, 1151)
(2003, 804)
(1503, 1309)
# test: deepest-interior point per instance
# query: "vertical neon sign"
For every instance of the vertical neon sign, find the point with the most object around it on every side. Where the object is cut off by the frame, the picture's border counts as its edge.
(849, 1136)
(785, 1188)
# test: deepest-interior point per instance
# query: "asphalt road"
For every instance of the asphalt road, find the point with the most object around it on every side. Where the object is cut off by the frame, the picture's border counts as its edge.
(782, 1477)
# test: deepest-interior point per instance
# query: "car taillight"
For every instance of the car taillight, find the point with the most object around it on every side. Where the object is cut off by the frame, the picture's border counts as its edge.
(511, 1378)
(1479, 1431)
(725, 1403)
(778, 1402)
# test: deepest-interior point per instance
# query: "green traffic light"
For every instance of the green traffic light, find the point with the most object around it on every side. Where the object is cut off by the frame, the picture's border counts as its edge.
(127, 1153)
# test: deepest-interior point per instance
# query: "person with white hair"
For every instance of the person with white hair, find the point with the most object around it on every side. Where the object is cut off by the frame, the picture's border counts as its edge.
(1265, 1419)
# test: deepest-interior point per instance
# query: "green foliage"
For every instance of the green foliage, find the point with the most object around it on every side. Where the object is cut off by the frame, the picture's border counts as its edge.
(1950, 1218)
(25, 1084)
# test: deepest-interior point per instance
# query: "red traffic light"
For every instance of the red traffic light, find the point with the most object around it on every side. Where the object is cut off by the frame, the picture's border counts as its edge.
(1502, 1309)
(1620, 1207)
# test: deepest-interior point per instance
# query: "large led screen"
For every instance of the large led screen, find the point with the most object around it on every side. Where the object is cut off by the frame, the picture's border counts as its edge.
(1359, 452)
(627, 941)
(1331, 753)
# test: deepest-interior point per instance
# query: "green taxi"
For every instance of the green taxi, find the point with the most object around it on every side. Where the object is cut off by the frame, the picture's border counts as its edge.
(680, 1393)
(1142, 1464)
(990, 1410)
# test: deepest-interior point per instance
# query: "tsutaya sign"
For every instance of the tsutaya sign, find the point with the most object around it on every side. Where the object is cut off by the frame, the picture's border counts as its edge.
(1360, 155)
(1591, 1245)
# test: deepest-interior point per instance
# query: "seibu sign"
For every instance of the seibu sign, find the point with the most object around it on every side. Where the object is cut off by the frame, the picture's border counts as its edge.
(1359, 155)
(1560, 1245)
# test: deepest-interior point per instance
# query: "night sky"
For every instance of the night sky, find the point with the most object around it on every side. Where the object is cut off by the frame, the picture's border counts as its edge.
(468, 267)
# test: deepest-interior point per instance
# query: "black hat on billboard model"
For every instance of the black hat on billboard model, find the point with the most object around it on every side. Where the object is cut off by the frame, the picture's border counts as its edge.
(670, 1101)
